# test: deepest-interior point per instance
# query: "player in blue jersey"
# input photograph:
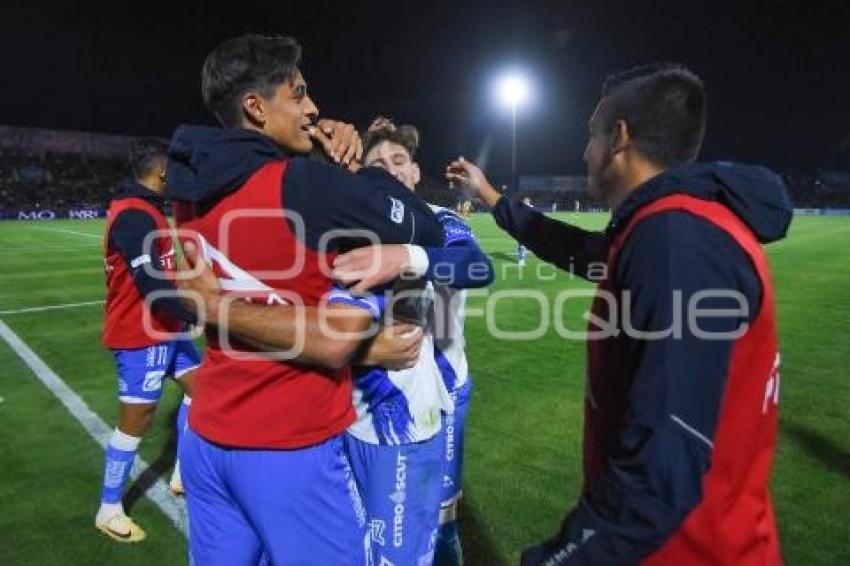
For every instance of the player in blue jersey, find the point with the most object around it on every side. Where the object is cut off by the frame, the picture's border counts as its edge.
(408, 438)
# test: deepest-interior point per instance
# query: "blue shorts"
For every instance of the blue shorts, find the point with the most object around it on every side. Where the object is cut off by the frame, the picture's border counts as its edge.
(141, 371)
(249, 507)
(400, 486)
(454, 426)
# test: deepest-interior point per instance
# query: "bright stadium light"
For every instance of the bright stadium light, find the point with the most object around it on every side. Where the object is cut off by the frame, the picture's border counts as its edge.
(513, 90)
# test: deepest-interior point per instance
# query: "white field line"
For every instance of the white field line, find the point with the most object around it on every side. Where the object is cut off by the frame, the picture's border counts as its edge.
(66, 231)
(52, 307)
(78, 245)
(158, 493)
(51, 273)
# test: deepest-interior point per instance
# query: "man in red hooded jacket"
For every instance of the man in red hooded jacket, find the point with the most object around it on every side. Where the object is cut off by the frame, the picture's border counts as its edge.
(683, 367)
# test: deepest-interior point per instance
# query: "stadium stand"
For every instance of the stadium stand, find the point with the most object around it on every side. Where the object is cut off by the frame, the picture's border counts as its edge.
(59, 171)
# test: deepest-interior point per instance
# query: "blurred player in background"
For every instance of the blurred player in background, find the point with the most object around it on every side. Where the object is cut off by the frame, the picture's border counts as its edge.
(522, 251)
(137, 268)
(403, 418)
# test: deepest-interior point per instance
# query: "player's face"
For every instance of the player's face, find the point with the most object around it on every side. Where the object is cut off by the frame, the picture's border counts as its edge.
(288, 114)
(396, 160)
(597, 156)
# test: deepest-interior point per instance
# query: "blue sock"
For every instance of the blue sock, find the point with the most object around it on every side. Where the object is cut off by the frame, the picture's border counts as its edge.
(120, 453)
(448, 551)
(182, 419)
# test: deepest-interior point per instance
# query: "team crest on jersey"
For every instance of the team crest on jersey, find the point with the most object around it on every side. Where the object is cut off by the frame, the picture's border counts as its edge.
(396, 211)
(376, 529)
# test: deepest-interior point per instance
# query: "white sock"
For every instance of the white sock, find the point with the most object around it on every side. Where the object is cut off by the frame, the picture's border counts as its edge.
(107, 511)
(123, 441)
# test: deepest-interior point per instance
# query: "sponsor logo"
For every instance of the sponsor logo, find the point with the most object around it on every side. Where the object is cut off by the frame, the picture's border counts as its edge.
(153, 381)
(36, 215)
(564, 553)
(771, 392)
(83, 214)
(126, 535)
(353, 494)
(398, 498)
(450, 438)
(137, 261)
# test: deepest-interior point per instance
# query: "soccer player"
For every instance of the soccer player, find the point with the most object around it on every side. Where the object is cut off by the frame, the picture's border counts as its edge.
(263, 459)
(135, 323)
(404, 421)
(522, 251)
(681, 407)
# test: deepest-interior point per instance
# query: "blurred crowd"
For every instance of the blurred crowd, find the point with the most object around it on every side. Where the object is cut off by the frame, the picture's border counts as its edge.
(31, 180)
(56, 181)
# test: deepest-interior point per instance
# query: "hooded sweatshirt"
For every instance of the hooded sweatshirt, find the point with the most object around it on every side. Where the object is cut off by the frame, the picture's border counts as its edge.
(264, 217)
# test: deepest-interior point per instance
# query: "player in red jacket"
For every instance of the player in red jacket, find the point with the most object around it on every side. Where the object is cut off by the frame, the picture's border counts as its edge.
(683, 367)
(140, 320)
(263, 460)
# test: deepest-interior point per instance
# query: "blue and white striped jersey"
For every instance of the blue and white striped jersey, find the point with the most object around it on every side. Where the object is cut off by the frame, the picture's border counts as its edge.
(400, 407)
(449, 305)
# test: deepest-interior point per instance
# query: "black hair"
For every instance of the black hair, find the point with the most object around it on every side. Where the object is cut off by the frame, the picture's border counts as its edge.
(664, 107)
(248, 62)
(406, 136)
(144, 155)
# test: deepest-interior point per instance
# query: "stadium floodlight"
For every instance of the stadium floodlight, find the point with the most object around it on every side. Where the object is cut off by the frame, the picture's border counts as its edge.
(513, 90)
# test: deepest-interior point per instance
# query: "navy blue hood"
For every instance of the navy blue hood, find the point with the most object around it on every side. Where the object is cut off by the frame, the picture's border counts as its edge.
(130, 188)
(206, 162)
(754, 193)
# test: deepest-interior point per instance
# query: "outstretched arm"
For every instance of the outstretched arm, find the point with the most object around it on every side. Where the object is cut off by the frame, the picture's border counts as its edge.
(460, 263)
(569, 247)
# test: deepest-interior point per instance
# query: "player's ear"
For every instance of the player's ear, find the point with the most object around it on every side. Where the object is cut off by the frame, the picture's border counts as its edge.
(253, 107)
(416, 174)
(620, 137)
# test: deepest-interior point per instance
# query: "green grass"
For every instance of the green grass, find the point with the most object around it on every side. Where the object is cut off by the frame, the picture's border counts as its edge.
(524, 435)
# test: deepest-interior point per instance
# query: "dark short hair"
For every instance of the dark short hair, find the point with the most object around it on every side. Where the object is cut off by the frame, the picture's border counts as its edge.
(405, 135)
(144, 154)
(249, 62)
(663, 106)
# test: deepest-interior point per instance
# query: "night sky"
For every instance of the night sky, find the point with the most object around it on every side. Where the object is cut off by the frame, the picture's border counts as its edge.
(777, 73)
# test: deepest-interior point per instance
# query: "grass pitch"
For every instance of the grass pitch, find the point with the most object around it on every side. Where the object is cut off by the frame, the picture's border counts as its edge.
(524, 436)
